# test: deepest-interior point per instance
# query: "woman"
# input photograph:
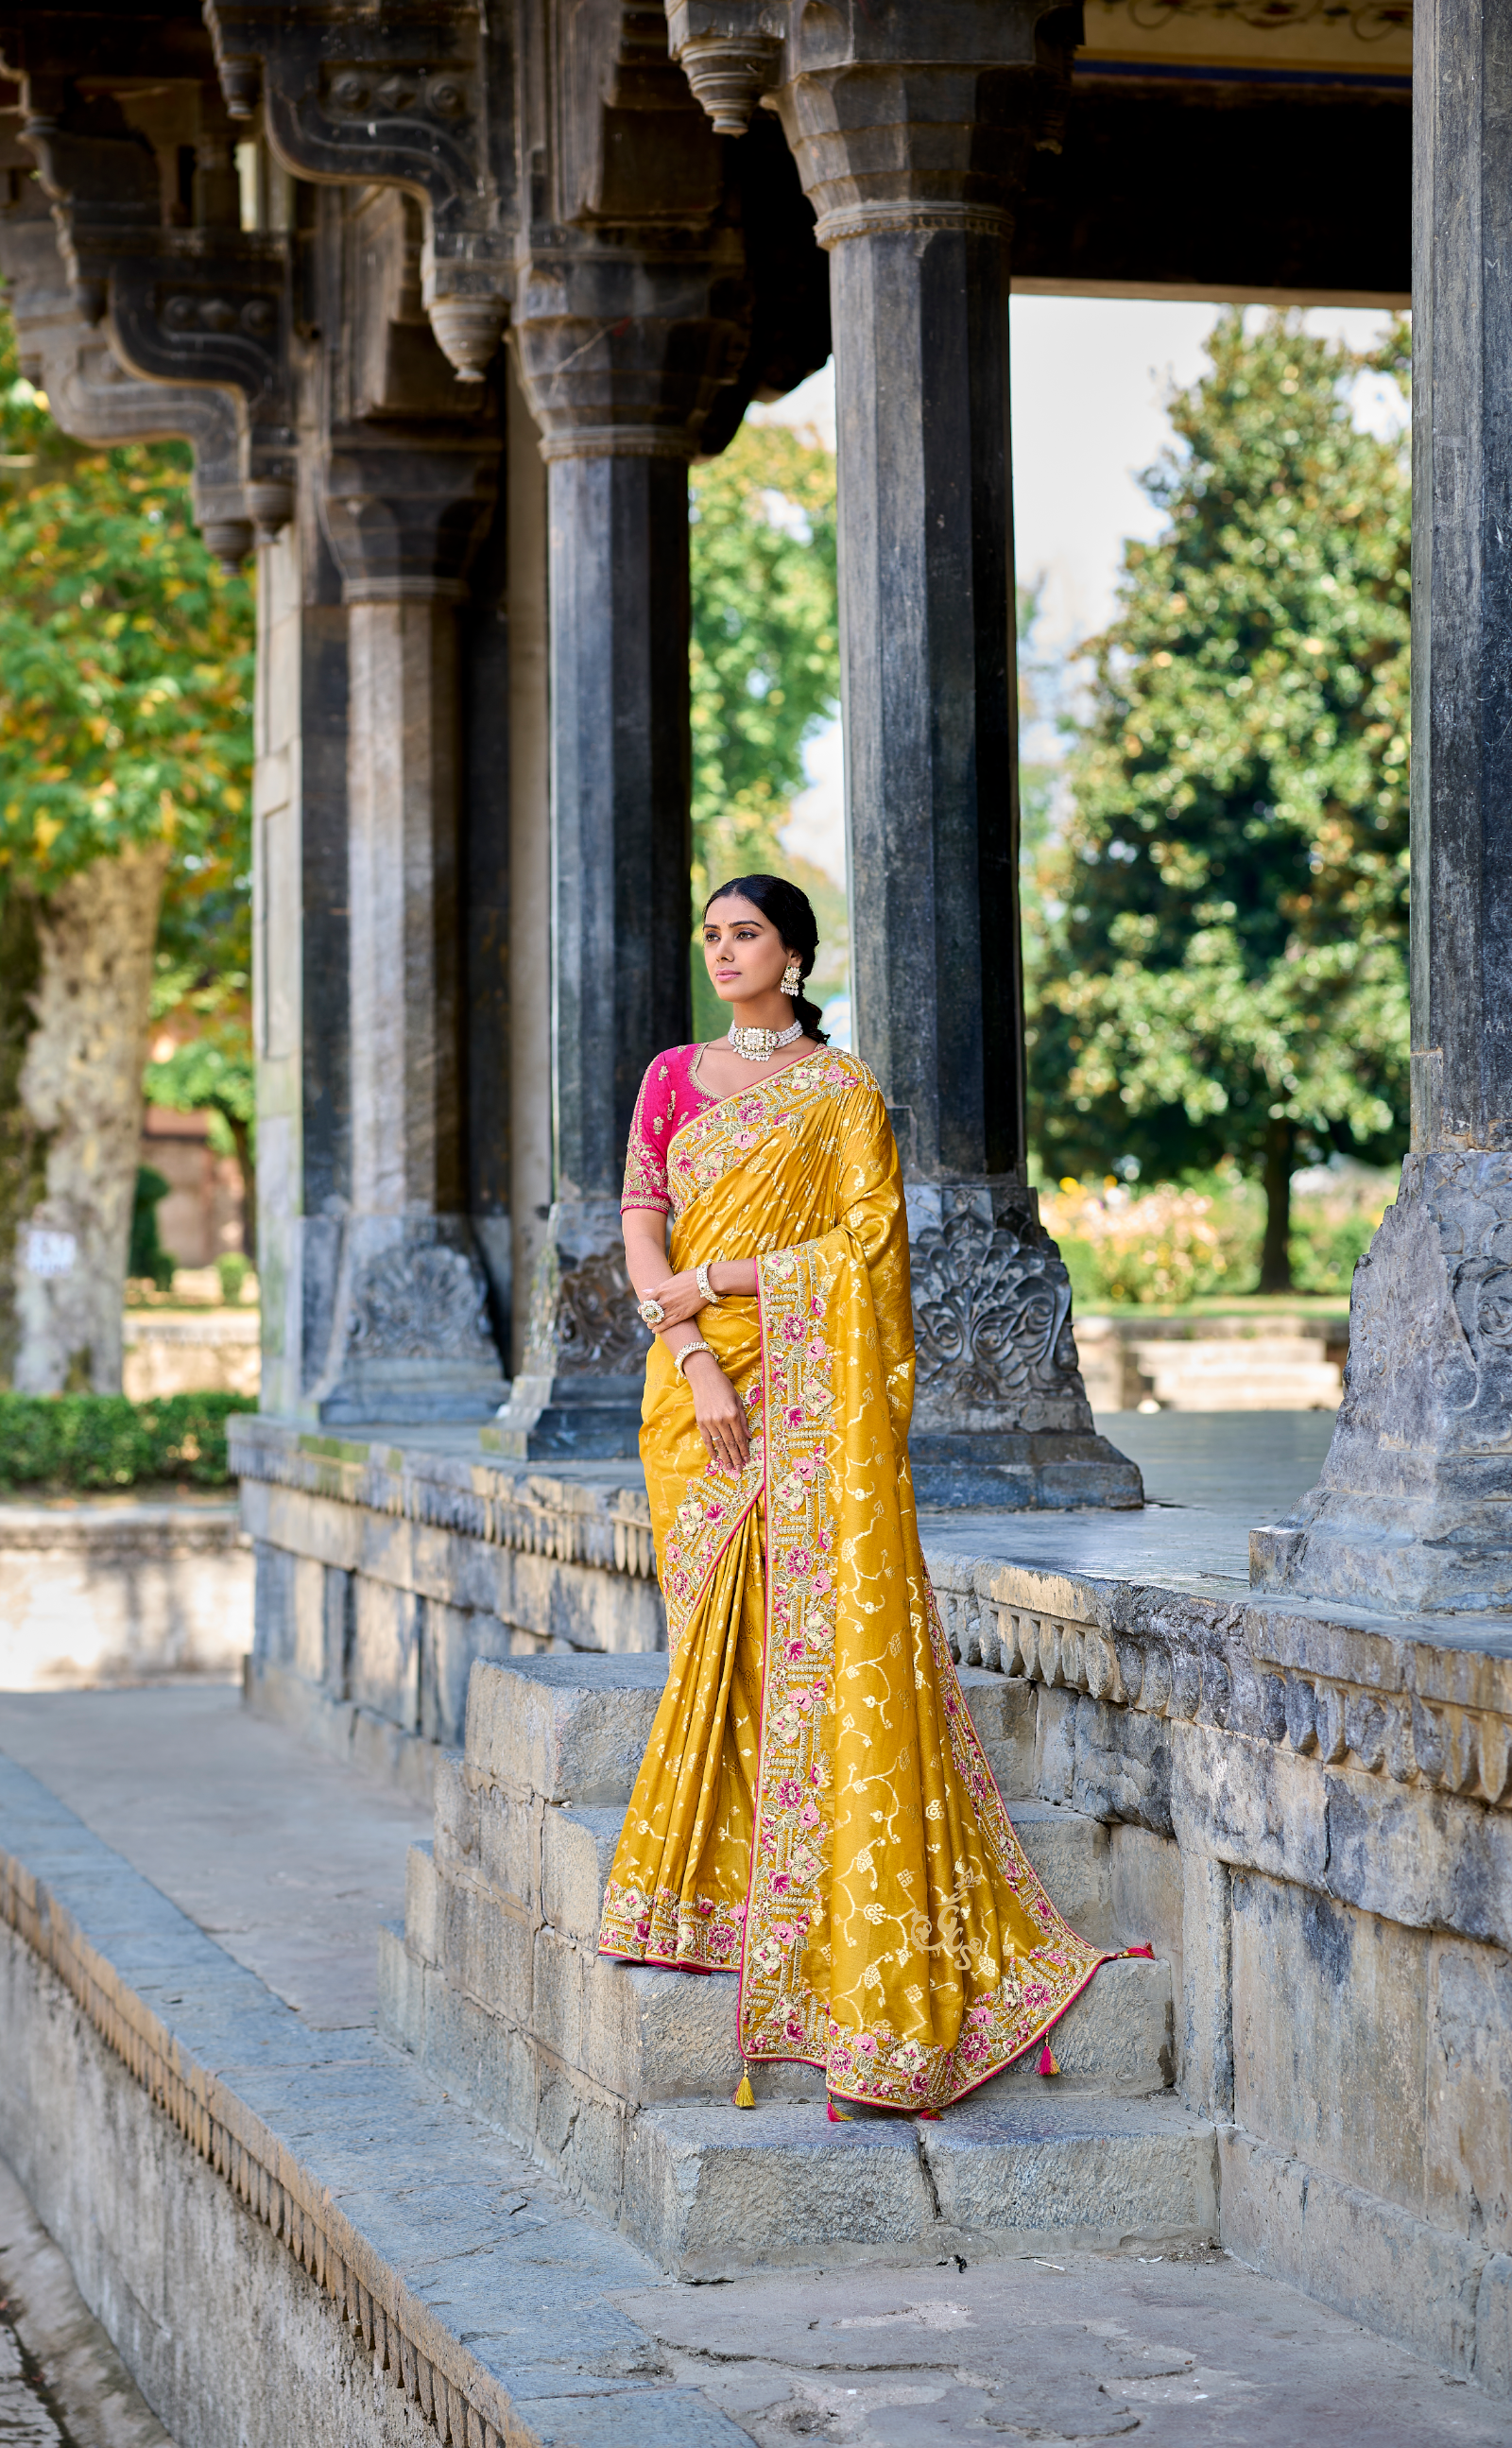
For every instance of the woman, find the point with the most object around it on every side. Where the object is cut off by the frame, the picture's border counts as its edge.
(814, 1807)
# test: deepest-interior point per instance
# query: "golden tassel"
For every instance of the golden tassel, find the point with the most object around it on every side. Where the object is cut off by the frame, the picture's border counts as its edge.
(744, 2095)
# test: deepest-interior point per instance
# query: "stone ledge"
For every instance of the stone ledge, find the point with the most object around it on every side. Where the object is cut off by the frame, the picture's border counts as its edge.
(397, 2207)
(1415, 1702)
(596, 1516)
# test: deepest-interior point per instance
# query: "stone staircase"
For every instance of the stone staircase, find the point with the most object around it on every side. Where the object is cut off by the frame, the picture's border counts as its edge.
(621, 2077)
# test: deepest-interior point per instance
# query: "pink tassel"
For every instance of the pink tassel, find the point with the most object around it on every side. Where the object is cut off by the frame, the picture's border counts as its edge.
(1141, 1950)
(838, 2115)
(1047, 2063)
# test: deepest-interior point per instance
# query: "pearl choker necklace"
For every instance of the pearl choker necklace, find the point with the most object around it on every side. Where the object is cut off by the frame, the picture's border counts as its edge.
(759, 1044)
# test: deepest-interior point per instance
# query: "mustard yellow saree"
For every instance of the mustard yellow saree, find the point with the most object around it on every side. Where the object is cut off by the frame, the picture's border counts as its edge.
(815, 1808)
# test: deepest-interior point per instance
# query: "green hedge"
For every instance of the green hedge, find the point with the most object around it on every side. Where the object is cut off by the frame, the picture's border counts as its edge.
(66, 1440)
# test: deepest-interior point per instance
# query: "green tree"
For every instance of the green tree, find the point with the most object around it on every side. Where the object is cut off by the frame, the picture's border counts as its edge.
(764, 663)
(1225, 906)
(125, 750)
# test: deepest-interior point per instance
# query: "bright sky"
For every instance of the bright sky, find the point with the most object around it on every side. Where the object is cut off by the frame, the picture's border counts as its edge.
(1090, 376)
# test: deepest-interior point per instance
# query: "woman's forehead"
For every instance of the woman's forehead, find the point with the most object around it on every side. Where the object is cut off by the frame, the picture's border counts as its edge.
(731, 911)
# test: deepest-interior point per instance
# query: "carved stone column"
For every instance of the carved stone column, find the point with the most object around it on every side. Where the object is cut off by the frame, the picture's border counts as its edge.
(619, 354)
(910, 164)
(411, 1338)
(1414, 1507)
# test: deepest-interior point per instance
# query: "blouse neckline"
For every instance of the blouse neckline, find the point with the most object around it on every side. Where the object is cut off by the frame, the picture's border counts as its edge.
(715, 1102)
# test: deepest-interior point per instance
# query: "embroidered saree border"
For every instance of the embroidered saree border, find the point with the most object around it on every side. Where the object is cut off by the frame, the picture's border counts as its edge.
(664, 1928)
(780, 2016)
(729, 1134)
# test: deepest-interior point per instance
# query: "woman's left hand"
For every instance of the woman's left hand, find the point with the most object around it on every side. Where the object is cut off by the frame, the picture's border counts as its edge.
(680, 1297)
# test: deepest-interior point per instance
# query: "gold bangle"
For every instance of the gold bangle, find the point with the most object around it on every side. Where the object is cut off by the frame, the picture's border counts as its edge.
(701, 1276)
(686, 1353)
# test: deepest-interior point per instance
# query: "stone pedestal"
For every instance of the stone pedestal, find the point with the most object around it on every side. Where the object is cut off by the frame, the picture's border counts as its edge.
(577, 1390)
(1000, 1413)
(1412, 1510)
(911, 164)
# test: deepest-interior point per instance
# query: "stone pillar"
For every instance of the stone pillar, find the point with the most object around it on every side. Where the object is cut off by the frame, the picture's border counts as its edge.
(411, 1338)
(299, 958)
(620, 356)
(529, 852)
(911, 167)
(1412, 1509)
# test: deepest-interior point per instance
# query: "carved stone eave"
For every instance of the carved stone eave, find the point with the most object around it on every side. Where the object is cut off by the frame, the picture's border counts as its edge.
(187, 308)
(95, 398)
(418, 96)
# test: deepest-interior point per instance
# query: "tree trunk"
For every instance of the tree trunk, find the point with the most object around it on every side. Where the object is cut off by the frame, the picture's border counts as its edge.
(1276, 1253)
(80, 1088)
(23, 1147)
(242, 1140)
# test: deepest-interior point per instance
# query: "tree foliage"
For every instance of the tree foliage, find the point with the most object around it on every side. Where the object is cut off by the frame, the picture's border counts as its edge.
(126, 665)
(764, 669)
(1225, 904)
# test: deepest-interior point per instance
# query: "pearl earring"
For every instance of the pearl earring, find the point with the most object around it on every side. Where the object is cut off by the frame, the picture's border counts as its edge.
(791, 978)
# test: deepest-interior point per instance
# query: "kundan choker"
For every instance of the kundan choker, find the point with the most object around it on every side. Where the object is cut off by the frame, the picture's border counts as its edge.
(759, 1044)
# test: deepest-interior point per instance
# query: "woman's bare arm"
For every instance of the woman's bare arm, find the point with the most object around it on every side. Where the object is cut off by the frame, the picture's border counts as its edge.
(717, 1407)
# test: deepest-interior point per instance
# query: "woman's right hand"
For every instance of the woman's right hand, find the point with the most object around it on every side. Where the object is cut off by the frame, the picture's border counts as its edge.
(719, 1413)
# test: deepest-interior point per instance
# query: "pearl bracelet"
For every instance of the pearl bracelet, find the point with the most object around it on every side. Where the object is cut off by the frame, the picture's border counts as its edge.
(701, 1276)
(686, 1353)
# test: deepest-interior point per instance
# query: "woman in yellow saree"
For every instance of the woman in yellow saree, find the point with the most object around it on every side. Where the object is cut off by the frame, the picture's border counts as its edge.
(813, 1808)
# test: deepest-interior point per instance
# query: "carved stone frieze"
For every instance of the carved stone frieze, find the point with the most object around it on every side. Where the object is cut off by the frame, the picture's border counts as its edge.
(419, 95)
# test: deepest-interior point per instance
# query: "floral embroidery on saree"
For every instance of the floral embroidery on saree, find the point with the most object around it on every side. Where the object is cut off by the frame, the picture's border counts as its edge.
(732, 1133)
(667, 1928)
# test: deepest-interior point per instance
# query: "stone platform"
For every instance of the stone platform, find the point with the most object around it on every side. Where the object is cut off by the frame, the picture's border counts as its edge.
(291, 2232)
(1305, 1808)
(111, 1589)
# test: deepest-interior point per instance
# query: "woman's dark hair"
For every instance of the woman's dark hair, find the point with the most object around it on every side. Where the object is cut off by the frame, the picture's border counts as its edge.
(792, 913)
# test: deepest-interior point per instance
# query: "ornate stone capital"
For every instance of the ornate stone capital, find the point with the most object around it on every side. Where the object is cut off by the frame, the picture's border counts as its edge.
(420, 94)
(404, 509)
(623, 350)
(903, 118)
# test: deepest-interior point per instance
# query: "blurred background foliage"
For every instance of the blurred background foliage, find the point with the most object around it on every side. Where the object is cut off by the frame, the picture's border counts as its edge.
(765, 669)
(1217, 912)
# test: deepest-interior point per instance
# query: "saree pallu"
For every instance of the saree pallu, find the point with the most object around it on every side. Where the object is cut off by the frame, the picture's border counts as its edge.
(815, 1807)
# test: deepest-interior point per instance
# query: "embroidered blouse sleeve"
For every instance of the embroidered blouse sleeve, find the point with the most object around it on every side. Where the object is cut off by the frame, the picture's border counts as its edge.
(646, 1162)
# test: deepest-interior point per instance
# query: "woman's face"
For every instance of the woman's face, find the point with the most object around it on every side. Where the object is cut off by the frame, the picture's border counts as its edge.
(745, 954)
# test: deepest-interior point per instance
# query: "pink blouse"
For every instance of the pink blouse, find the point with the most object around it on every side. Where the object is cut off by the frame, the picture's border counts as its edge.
(670, 1096)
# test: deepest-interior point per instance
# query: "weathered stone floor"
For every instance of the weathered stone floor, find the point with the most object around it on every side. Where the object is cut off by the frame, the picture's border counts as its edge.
(285, 1861)
(62, 2383)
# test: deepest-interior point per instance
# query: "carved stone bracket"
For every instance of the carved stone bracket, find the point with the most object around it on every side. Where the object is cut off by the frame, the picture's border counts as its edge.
(417, 95)
(93, 397)
(188, 307)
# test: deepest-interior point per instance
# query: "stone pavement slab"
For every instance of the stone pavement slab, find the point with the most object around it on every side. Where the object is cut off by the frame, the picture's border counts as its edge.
(288, 1860)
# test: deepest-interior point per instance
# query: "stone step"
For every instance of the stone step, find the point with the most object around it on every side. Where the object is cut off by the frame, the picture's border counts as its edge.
(712, 2191)
(645, 2035)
